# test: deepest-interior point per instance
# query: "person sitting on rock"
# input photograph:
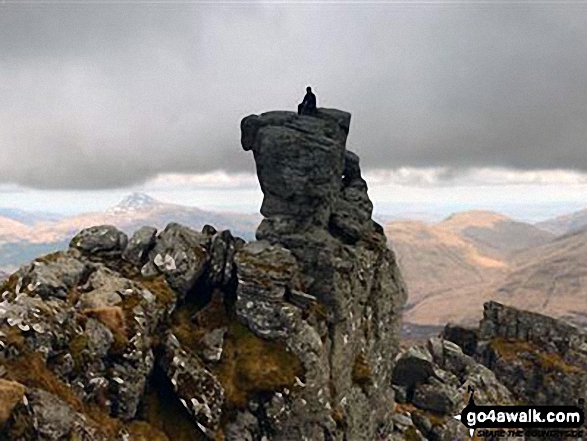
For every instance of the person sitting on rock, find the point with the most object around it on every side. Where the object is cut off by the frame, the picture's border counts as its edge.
(308, 105)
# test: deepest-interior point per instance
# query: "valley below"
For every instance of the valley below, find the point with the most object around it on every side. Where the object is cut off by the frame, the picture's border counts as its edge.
(452, 267)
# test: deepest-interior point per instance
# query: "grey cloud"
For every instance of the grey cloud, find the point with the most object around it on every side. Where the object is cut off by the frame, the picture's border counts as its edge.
(99, 96)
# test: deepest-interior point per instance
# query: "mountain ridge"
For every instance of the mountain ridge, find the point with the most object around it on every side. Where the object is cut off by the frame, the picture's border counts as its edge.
(442, 268)
(565, 223)
(132, 212)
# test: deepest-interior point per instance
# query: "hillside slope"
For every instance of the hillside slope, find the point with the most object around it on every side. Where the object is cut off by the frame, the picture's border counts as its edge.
(566, 223)
(494, 234)
(435, 259)
(452, 267)
(551, 279)
(9, 228)
(139, 209)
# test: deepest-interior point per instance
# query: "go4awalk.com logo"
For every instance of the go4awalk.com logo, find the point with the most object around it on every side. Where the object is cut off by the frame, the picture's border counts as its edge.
(547, 422)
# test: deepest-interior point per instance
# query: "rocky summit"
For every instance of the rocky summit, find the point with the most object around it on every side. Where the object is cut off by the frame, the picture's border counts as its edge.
(186, 335)
(318, 249)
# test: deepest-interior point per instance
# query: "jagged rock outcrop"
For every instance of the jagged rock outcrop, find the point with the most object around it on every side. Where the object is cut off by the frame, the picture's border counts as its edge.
(139, 245)
(318, 214)
(100, 241)
(196, 387)
(542, 360)
(514, 356)
(87, 334)
(181, 254)
(186, 335)
(432, 382)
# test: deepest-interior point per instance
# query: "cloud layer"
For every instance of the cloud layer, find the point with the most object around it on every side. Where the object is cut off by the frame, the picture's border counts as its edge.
(110, 95)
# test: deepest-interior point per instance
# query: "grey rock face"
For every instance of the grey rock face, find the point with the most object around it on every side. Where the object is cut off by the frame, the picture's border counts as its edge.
(139, 245)
(299, 162)
(103, 289)
(54, 420)
(436, 377)
(223, 248)
(53, 278)
(318, 212)
(102, 241)
(351, 216)
(198, 390)
(265, 273)
(540, 359)
(550, 334)
(213, 342)
(243, 428)
(466, 338)
(181, 254)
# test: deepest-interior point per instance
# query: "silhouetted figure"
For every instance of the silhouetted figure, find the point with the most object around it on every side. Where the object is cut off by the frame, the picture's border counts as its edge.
(308, 105)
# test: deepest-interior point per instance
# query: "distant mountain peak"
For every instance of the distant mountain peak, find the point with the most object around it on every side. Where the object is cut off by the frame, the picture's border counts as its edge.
(478, 218)
(135, 200)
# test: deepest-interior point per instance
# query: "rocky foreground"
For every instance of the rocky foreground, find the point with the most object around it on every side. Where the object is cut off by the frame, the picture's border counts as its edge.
(513, 357)
(187, 335)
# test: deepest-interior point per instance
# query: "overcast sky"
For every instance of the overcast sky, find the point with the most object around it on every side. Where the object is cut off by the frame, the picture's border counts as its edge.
(110, 95)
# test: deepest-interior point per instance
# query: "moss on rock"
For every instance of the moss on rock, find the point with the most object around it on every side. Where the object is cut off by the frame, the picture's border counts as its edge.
(361, 373)
(161, 410)
(530, 354)
(31, 371)
(251, 365)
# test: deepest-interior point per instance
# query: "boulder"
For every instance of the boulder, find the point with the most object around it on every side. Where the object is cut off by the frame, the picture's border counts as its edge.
(413, 367)
(104, 288)
(181, 254)
(104, 241)
(139, 245)
(466, 338)
(438, 397)
(432, 380)
(54, 420)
